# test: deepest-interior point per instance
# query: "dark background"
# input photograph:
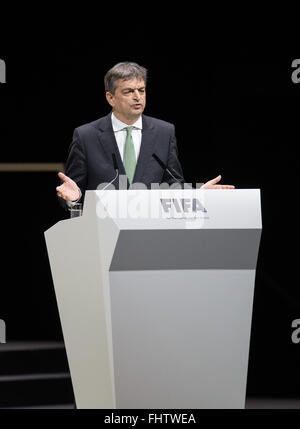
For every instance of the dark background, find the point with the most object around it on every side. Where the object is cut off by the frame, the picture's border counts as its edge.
(236, 112)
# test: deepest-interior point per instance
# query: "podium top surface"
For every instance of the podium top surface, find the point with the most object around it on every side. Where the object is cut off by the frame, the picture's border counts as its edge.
(177, 209)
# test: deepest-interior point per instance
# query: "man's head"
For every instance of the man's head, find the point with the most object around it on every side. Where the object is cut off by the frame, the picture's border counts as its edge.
(125, 86)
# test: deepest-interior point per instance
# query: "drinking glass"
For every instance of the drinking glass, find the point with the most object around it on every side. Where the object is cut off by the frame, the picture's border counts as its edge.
(76, 210)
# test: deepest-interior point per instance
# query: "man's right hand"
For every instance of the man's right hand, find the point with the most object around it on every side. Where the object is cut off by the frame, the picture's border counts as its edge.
(68, 190)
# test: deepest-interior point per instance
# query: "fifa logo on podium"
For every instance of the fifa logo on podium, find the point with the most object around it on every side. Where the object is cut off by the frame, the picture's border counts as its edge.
(2, 71)
(183, 205)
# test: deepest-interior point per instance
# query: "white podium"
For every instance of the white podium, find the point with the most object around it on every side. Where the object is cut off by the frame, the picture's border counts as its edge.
(155, 293)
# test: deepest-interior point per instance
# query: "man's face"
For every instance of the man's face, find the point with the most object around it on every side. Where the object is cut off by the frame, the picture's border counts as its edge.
(129, 100)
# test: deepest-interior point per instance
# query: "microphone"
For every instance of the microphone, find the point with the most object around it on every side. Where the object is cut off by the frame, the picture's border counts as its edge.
(117, 171)
(164, 167)
(115, 162)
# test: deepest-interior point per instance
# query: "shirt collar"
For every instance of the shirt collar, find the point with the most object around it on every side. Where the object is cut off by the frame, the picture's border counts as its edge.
(119, 125)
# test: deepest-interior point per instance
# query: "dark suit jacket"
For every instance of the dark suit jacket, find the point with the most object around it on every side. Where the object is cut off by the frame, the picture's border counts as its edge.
(90, 161)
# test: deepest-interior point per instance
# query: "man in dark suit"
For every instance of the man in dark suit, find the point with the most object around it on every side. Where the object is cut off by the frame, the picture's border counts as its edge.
(126, 134)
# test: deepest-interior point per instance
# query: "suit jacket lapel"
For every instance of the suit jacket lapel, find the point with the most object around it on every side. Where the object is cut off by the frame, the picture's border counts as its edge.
(146, 150)
(108, 140)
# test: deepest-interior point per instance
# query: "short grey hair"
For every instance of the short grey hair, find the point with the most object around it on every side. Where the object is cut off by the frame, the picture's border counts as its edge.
(125, 70)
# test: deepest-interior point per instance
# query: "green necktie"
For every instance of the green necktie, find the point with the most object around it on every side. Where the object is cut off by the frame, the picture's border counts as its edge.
(129, 155)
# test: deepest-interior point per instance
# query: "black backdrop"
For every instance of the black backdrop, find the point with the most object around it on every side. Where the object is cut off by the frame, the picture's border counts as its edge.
(236, 112)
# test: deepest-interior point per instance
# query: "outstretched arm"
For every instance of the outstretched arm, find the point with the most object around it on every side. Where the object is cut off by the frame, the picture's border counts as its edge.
(76, 168)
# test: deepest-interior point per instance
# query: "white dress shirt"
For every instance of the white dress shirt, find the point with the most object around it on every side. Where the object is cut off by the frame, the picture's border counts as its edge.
(119, 128)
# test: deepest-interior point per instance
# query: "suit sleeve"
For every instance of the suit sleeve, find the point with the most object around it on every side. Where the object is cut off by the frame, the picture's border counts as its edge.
(76, 166)
(173, 162)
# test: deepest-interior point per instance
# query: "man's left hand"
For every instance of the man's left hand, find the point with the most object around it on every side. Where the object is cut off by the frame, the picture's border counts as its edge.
(212, 184)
